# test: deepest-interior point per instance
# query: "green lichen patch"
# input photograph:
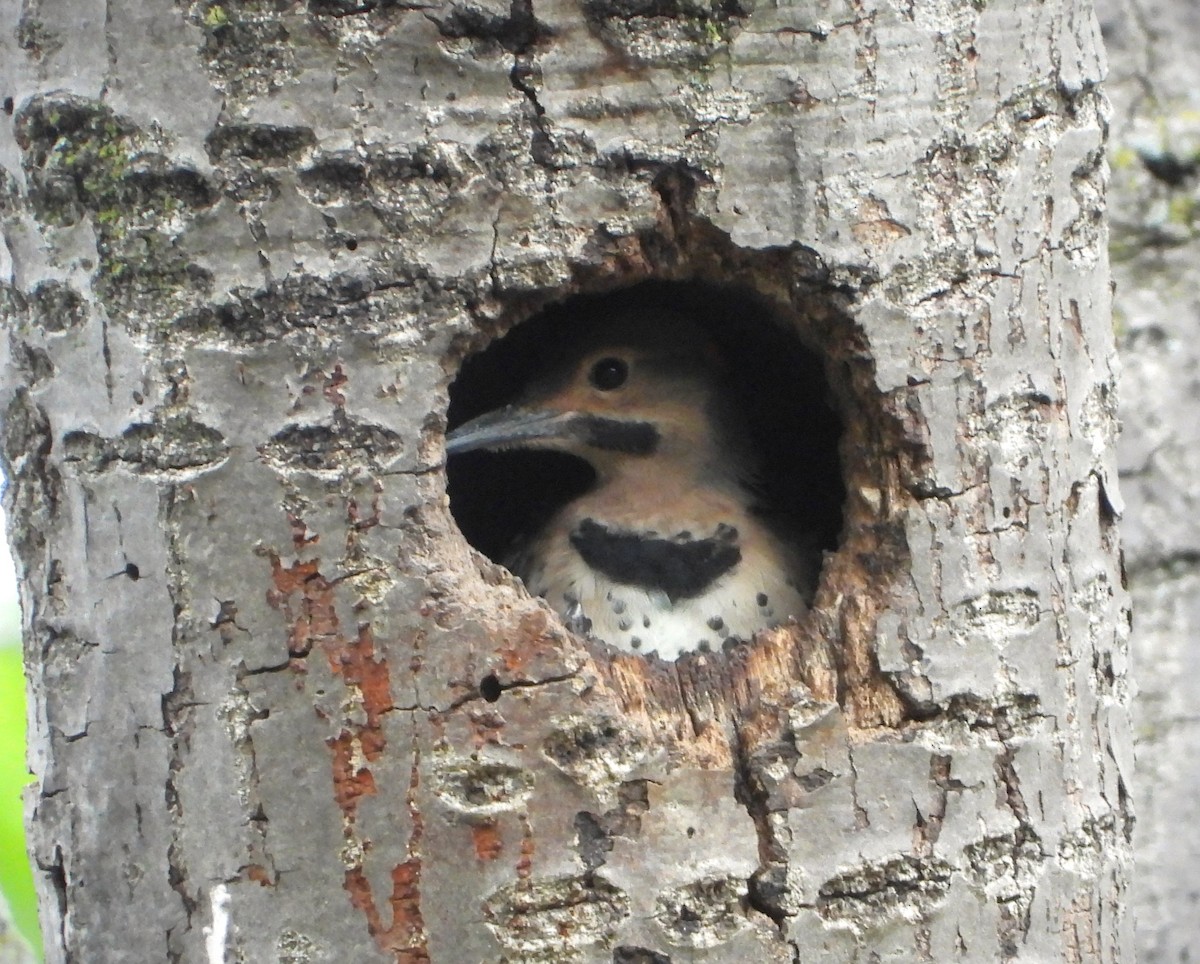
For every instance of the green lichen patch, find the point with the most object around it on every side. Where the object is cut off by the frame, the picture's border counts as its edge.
(76, 153)
(248, 48)
(82, 160)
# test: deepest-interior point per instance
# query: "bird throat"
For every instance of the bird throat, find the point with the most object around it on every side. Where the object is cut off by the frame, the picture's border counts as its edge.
(681, 567)
(655, 561)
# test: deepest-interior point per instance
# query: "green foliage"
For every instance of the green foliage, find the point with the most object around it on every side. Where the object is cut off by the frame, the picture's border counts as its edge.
(15, 879)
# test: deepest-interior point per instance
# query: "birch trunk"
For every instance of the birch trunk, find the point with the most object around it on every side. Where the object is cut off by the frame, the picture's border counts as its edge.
(282, 711)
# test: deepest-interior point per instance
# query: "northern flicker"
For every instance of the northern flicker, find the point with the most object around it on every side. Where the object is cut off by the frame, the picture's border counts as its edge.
(669, 550)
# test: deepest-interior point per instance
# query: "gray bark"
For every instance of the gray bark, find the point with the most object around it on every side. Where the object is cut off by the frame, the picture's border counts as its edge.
(247, 247)
(1153, 83)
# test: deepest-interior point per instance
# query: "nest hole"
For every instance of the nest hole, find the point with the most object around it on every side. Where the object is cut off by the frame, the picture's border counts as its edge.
(777, 384)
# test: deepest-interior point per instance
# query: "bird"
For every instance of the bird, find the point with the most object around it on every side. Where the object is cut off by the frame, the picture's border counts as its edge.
(671, 549)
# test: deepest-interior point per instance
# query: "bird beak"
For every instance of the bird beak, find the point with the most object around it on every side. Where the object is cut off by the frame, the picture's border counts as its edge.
(511, 427)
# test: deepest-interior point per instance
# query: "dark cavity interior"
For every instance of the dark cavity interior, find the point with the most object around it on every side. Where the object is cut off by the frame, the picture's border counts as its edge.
(779, 384)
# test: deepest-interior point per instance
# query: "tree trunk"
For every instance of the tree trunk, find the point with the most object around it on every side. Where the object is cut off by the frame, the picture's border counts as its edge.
(283, 711)
(1156, 150)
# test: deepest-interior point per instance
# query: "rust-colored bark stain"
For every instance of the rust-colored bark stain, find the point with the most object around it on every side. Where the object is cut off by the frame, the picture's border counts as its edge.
(405, 937)
(357, 664)
(306, 599)
(533, 641)
(406, 877)
(486, 837)
(350, 783)
(259, 874)
(407, 933)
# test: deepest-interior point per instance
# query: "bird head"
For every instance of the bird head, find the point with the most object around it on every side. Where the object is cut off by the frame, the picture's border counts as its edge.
(633, 392)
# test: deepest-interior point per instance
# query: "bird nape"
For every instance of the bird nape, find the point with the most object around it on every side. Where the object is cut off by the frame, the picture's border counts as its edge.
(669, 550)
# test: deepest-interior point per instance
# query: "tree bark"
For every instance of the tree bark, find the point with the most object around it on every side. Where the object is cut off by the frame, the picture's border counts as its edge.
(1156, 145)
(282, 711)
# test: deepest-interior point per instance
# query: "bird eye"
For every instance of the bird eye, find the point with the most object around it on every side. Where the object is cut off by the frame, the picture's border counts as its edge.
(608, 373)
